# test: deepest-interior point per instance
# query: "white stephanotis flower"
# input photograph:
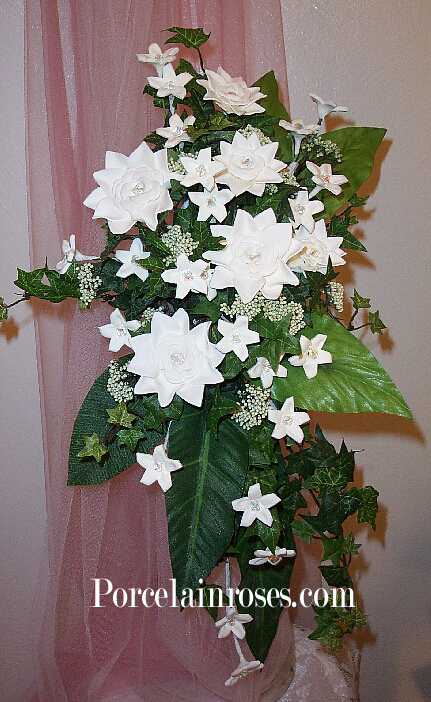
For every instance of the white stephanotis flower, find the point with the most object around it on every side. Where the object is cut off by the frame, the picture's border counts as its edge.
(71, 254)
(303, 210)
(244, 668)
(299, 130)
(287, 421)
(233, 623)
(312, 354)
(255, 256)
(187, 276)
(322, 176)
(169, 83)
(158, 467)
(207, 275)
(236, 337)
(211, 204)
(132, 189)
(174, 359)
(246, 165)
(325, 107)
(130, 259)
(157, 57)
(263, 370)
(176, 132)
(317, 249)
(201, 169)
(267, 556)
(231, 94)
(118, 331)
(256, 506)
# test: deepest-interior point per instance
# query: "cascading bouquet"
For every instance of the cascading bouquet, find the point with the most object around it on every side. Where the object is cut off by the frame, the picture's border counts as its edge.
(222, 241)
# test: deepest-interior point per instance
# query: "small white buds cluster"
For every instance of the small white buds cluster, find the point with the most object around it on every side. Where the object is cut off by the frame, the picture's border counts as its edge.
(335, 295)
(88, 283)
(119, 379)
(254, 406)
(178, 242)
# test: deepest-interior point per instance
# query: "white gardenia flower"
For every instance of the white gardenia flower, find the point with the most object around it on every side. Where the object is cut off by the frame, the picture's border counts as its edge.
(236, 337)
(201, 169)
(157, 57)
(325, 107)
(132, 189)
(244, 668)
(130, 259)
(246, 165)
(263, 370)
(173, 359)
(211, 204)
(169, 83)
(118, 331)
(187, 276)
(71, 254)
(287, 421)
(158, 467)
(303, 210)
(176, 132)
(231, 94)
(233, 623)
(256, 506)
(267, 556)
(255, 256)
(312, 354)
(299, 130)
(322, 176)
(317, 249)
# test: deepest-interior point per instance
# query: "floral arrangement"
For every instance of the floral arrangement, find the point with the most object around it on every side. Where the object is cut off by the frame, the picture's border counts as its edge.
(224, 232)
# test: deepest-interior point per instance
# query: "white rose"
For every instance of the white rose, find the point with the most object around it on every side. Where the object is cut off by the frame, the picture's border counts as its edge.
(231, 94)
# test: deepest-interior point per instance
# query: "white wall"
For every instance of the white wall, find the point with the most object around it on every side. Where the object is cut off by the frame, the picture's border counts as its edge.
(22, 501)
(374, 57)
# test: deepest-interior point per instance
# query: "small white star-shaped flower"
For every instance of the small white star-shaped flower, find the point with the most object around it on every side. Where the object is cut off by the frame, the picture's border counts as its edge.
(299, 130)
(187, 276)
(130, 259)
(303, 210)
(169, 83)
(212, 204)
(70, 254)
(176, 132)
(263, 370)
(267, 556)
(312, 354)
(244, 668)
(324, 179)
(287, 421)
(325, 107)
(200, 170)
(256, 506)
(158, 467)
(118, 331)
(233, 623)
(157, 57)
(236, 336)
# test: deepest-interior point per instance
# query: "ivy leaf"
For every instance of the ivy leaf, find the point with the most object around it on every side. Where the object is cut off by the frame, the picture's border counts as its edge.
(190, 38)
(328, 632)
(336, 576)
(360, 302)
(332, 549)
(3, 310)
(376, 324)
(231, 365)
(368, 508)
(304, 530)
(220, 408)
(121, 416)
(353, 617)
(93, 448)
(261, 445)
(60, 286)
(154, 415)
(275, 108)
(345, 462)
(305, 462)
(268, 534)
(326, 478)
(130, 438)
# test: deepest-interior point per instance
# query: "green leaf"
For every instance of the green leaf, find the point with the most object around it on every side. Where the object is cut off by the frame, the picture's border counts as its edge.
(275, 108)
(336, 576)
(231, 365)
(190, 38)
(93, 448)
(154, 415)
(130, 438)
(199, 505)
(261, 445)
(304, 530)
(353, 617)
(60, 286)
(268, 534)
(305, 461)
(328, 632)
(376, 324)
(220, 408)
(358, 146)
(326, 479)
(121, 416)
(354, 381)
(369, 507)
(3, 310)
(360, 302)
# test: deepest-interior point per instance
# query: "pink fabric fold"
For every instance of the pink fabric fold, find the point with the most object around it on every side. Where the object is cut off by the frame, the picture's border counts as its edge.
(84, 95)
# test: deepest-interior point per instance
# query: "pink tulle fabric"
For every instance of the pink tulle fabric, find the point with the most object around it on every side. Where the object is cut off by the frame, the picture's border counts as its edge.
(84, 96)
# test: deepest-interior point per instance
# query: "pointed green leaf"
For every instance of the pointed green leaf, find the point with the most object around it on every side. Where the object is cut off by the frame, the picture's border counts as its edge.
(3, 310)
(369, 507)
(220, 408)
(130, 438)
(360, 302)
(328, 632)
(376, 324)
(275, 108)
(121, 416)
(354, 381)
(190, 38)
(304, 530)
(93, 448)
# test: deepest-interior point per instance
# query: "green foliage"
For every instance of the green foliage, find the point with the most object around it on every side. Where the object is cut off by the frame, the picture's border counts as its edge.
(130, 438)
(58, 288)
(376, 324)
(368, 508)
(304, 530)
(190, 38)
(93, 448)
(121, 416)
(273, 107)
(339, 226)
(360, 302)
(221, 407)
(3, 310)
(154, 416)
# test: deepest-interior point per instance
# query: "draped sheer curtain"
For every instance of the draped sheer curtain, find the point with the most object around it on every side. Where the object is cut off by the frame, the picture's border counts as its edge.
(84, 96)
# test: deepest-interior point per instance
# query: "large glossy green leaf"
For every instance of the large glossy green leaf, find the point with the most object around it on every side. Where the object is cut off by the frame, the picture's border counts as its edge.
(199, 509)
(274, 107)
(358, 146)
(354, 381)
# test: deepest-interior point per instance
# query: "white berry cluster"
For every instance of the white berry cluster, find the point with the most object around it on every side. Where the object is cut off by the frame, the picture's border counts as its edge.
(271, 189)
(175, 165)
(317, 147)
(259, 133)
(274, 310)
(119, 380)
(178, 242)
(254, 406)
(88, 283)
(335, 295)
(288, 177)
(297, 319)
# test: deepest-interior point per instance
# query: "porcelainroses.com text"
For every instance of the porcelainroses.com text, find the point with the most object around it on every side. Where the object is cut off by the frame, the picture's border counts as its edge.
(105, 594)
